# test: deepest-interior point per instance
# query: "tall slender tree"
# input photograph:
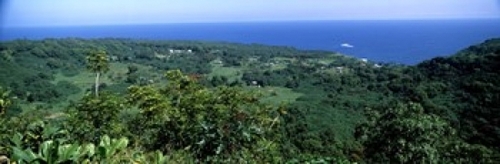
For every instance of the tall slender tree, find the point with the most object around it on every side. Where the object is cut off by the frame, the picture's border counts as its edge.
(97, 62)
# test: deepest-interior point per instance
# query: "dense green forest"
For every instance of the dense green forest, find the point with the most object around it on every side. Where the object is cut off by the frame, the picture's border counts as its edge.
(114, 100)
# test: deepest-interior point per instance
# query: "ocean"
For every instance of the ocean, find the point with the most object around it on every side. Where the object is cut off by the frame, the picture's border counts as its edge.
(397, 41)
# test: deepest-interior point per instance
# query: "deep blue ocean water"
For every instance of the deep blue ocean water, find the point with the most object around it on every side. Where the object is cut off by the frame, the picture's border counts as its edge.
(406, 42)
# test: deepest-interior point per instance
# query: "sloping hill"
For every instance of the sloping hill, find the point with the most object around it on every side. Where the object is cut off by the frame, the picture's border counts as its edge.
(473, 78)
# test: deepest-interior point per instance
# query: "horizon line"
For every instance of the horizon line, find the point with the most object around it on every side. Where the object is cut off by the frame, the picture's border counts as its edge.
(244, 21)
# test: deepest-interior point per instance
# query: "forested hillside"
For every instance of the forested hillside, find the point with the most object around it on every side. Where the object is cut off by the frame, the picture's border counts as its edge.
(472, 80)
(64, 100)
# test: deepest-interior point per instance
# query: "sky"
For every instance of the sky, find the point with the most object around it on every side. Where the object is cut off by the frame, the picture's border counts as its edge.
(22, 13)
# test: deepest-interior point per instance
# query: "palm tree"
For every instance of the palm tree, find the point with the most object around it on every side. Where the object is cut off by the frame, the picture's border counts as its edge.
(97, 62)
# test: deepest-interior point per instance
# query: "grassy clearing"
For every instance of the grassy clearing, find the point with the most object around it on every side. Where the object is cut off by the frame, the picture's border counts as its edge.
(284, 59)
(326, 61)
(278, 66)
(276, 95)
(232, 73)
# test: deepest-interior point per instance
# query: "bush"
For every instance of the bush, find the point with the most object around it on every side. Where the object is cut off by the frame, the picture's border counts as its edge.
(214, 124)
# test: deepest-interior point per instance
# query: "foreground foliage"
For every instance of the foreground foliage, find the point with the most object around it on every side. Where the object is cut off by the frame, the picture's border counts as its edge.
(211, 125)
(107, 151)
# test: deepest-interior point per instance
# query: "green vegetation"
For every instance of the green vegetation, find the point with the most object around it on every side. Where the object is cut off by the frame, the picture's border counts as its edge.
(276, 95)
(242, 103)
(405, 134)
(4, 100)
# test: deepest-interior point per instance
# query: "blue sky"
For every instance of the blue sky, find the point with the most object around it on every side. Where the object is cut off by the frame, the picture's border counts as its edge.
(102, 12)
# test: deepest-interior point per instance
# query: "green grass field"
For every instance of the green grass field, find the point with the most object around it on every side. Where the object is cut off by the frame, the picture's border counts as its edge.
(232, 73)
(276, 95)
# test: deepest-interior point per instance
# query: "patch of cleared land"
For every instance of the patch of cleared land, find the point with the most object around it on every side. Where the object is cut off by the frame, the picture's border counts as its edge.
(276, 95)
(232, 73)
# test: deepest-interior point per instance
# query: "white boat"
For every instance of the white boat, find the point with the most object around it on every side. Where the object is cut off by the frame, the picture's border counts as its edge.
(346, 45)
